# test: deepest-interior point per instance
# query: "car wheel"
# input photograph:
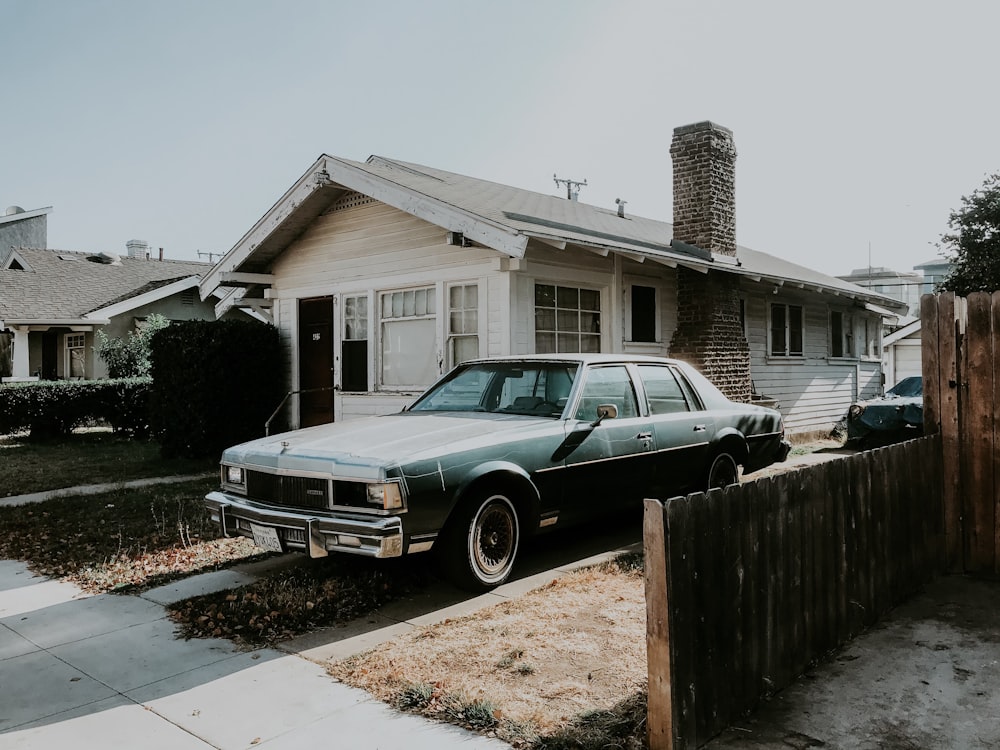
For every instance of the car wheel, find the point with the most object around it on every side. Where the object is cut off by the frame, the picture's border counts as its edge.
(723, 472)
(481, 543)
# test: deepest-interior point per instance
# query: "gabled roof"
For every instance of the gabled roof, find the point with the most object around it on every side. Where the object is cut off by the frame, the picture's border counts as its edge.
(501, 217)
(65, 285)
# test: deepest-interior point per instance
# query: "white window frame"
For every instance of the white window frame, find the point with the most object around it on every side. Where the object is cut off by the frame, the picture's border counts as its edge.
(69, 346)
(433, 316)
(450, 336)
(602, 314)
(341, 328)
(788, 353)
(633, 281)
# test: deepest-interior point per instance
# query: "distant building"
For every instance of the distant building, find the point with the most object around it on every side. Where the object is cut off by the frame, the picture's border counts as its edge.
(905, 287)
(935, 271)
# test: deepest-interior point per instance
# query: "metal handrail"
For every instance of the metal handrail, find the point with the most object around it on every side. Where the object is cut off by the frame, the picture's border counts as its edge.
(267, 424)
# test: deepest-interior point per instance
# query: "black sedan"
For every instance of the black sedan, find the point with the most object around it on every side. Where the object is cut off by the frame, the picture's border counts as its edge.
(495, 450)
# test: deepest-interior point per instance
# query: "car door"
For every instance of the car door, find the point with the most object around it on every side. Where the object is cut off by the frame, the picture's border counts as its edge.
(681, 427)
(608, 464)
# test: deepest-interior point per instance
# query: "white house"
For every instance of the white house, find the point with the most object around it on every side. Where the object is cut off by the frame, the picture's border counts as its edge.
(381, 275)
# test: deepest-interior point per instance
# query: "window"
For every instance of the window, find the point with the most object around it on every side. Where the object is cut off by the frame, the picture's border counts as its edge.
(409, 337)
(664, 394)
(354, 345)
(841, 334)
(786, 330)
(463, 323)
(642, 313)
(607, 385)
(76, 355)
(567, 319)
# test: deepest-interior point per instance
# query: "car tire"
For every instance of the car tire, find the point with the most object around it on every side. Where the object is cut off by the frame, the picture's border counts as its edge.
(722, 472)
(481, 542)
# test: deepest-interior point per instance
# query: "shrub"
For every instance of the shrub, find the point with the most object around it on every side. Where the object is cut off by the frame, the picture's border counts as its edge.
(215, 383)
(129, 357)
(48, 408)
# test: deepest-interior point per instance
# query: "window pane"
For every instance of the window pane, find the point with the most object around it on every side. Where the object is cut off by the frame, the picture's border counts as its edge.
(643, 313)
(545, 295)
(409, 303)
(409, 352)
(455, 297)
(663, 392)
(836, 335)
(590, 344)
(545, 343)
(568, 320)
(794, 329)
(545, 320)
(568, 297)
(607, 385)
(778, 330)
(590, 322)
(567, 342)
(590, 299)
(464, 348)
(471, 296)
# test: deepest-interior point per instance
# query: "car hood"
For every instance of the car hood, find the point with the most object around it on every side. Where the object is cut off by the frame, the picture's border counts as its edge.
(890, 414)
(365, 448)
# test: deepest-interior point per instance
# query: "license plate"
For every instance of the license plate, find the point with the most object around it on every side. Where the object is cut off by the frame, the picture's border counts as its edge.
(266, 537)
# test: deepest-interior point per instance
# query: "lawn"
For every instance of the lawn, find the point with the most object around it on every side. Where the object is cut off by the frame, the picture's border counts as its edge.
(84, 457)
(122, 539)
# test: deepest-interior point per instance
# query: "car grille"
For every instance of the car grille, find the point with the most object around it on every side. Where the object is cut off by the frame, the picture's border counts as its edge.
(305, 492)
(290, 491)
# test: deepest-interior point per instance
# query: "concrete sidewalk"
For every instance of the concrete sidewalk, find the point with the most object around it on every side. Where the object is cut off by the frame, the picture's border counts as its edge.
(108, 671)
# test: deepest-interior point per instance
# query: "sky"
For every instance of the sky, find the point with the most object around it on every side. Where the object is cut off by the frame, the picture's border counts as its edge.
(858, 126)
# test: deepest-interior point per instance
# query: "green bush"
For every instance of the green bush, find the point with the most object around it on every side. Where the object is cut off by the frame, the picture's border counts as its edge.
(55, 407)
(215, 383)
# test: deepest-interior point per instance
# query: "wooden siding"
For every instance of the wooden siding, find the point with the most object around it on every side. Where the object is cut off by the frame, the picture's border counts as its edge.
(372, 246)
(813, 391)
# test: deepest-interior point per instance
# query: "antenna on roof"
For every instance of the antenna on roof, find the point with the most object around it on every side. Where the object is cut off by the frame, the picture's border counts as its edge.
(211, 256)
(571, 193)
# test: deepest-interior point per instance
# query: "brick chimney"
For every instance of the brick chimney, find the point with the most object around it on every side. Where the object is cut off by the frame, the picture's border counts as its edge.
(709, 331)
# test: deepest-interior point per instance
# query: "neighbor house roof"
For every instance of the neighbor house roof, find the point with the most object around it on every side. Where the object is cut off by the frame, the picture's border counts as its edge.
(59, 285)
(501, 217)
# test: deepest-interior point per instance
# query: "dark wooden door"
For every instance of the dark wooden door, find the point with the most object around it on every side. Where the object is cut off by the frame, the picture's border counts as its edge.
(316, 361)
(50, 355)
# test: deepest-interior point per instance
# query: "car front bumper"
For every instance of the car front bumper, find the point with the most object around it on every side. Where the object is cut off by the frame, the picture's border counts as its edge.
(317, 536)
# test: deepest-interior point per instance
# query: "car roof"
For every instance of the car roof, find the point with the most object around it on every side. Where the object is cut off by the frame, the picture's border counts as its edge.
(575, 358)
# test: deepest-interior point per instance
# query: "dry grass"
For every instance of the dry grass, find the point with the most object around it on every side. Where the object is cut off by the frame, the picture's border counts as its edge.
(558, 660)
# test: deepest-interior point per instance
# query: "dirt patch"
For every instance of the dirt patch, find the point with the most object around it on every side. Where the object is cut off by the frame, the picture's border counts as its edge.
(538, 663)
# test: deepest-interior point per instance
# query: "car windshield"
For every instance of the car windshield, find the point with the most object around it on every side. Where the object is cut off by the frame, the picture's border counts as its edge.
(907, 388)
(529, 388)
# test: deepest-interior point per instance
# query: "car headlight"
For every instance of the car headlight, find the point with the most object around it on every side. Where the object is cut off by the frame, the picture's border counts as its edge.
(233, 475)
(388, 495)
(855, 411)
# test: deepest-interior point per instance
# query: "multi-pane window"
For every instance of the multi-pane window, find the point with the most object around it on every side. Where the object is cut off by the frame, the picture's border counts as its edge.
(409, 337)
(786, 330)
(76, 355)
(841, 334)
(567, 319)
(463, 323)
(354, 346)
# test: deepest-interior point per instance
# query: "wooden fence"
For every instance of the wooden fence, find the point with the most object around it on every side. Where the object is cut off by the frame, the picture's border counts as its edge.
(746, 586)
(960, 340)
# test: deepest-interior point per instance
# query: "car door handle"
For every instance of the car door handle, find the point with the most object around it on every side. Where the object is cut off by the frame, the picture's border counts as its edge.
(644, 436)
(699, 428)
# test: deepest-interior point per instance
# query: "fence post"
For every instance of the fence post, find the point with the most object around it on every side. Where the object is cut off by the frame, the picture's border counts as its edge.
(659, 708)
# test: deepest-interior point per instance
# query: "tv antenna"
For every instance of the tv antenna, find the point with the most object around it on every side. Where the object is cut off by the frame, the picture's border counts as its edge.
(211, 256)
(572, 187)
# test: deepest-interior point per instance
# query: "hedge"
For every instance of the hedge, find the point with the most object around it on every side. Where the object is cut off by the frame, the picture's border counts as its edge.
(55, 407)
(215, 383)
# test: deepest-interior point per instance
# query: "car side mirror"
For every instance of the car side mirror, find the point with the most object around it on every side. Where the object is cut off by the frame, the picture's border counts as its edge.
(606, 411)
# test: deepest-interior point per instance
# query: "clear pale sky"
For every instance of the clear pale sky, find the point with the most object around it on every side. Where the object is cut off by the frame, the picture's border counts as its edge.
(180, 122)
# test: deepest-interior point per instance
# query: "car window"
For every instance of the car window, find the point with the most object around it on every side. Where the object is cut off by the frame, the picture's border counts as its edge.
(664, 394)
(607, 385)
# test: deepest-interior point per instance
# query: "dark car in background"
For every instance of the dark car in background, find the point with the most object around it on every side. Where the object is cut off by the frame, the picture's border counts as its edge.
(495, 450)
(897, 416)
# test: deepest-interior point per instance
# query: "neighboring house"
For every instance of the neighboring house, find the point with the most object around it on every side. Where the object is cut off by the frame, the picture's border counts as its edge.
(902, 286)
(53, 301)
(902, 355)
(934, 272)
(382, 275)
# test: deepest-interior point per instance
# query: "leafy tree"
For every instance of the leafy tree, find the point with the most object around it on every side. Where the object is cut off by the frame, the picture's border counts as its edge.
(129, 357)
(973, 244)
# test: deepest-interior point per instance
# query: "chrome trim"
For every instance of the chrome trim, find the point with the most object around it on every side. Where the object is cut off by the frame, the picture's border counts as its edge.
(380, 537)
(419, 546)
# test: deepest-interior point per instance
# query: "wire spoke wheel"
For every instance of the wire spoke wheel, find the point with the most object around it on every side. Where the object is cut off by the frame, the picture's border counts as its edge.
(493, 538)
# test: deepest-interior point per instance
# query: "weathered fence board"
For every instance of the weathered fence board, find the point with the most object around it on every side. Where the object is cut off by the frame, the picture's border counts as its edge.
(760, 579)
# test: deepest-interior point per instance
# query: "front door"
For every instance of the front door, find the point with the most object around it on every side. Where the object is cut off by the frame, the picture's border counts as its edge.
(50, 355)
(315, 361)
